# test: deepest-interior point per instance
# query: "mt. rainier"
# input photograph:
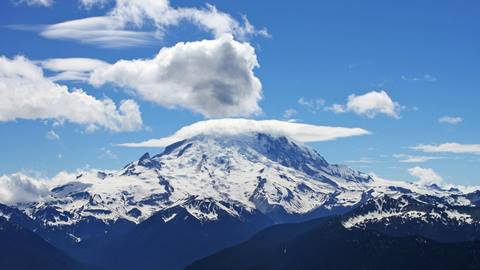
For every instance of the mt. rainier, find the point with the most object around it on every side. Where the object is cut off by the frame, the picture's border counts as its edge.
(208, 192)
(275, 175)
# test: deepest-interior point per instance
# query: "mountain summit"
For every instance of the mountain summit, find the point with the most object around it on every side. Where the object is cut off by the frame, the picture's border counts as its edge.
(275, 175)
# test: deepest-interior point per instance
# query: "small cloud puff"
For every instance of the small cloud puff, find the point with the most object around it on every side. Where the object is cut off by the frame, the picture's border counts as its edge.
(452, 120)
(426, 176)
(52, 135)
(369, 105)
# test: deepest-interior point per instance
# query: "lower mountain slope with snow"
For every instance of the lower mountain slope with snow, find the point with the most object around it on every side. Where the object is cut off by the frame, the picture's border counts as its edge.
(174, 237)
(211, 185)
(429, 216)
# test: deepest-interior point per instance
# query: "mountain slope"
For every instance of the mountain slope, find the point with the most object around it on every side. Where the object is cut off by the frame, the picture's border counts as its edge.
(274, 175)
(22, 249)
(429, 216)
(208, 185)
(174, 238)
(327, 244)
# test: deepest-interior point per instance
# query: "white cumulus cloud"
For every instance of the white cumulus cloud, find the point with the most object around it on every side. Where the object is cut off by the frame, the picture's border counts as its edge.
(211, 77)
(452, 120)
(425, 176)
(370, 105)
(18, 187)
(21, 187)
(297, 131)
(26, 94)
(455, 148)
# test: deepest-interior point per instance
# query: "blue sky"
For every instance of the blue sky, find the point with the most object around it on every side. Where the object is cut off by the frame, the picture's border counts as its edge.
(422, 54)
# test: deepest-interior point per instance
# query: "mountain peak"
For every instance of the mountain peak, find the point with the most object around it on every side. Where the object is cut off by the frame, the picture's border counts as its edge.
(253, 146)
(145, 156)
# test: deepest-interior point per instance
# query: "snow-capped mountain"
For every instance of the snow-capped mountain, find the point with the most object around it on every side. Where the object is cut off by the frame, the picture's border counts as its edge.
(239, 173)
(213, 185)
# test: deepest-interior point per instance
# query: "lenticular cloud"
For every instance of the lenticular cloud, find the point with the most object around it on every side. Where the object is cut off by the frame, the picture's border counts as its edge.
(297, 131)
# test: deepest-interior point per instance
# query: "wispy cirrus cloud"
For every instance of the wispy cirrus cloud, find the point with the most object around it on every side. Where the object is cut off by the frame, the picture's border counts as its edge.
(363, 160)
(414, 159)
(455, 148)
(452, 120)
(71, 69)
(44, 3)
(52, 135)
(425, 77)
(289, 113)
(313, 105)
(139, 22)
(107, 32)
